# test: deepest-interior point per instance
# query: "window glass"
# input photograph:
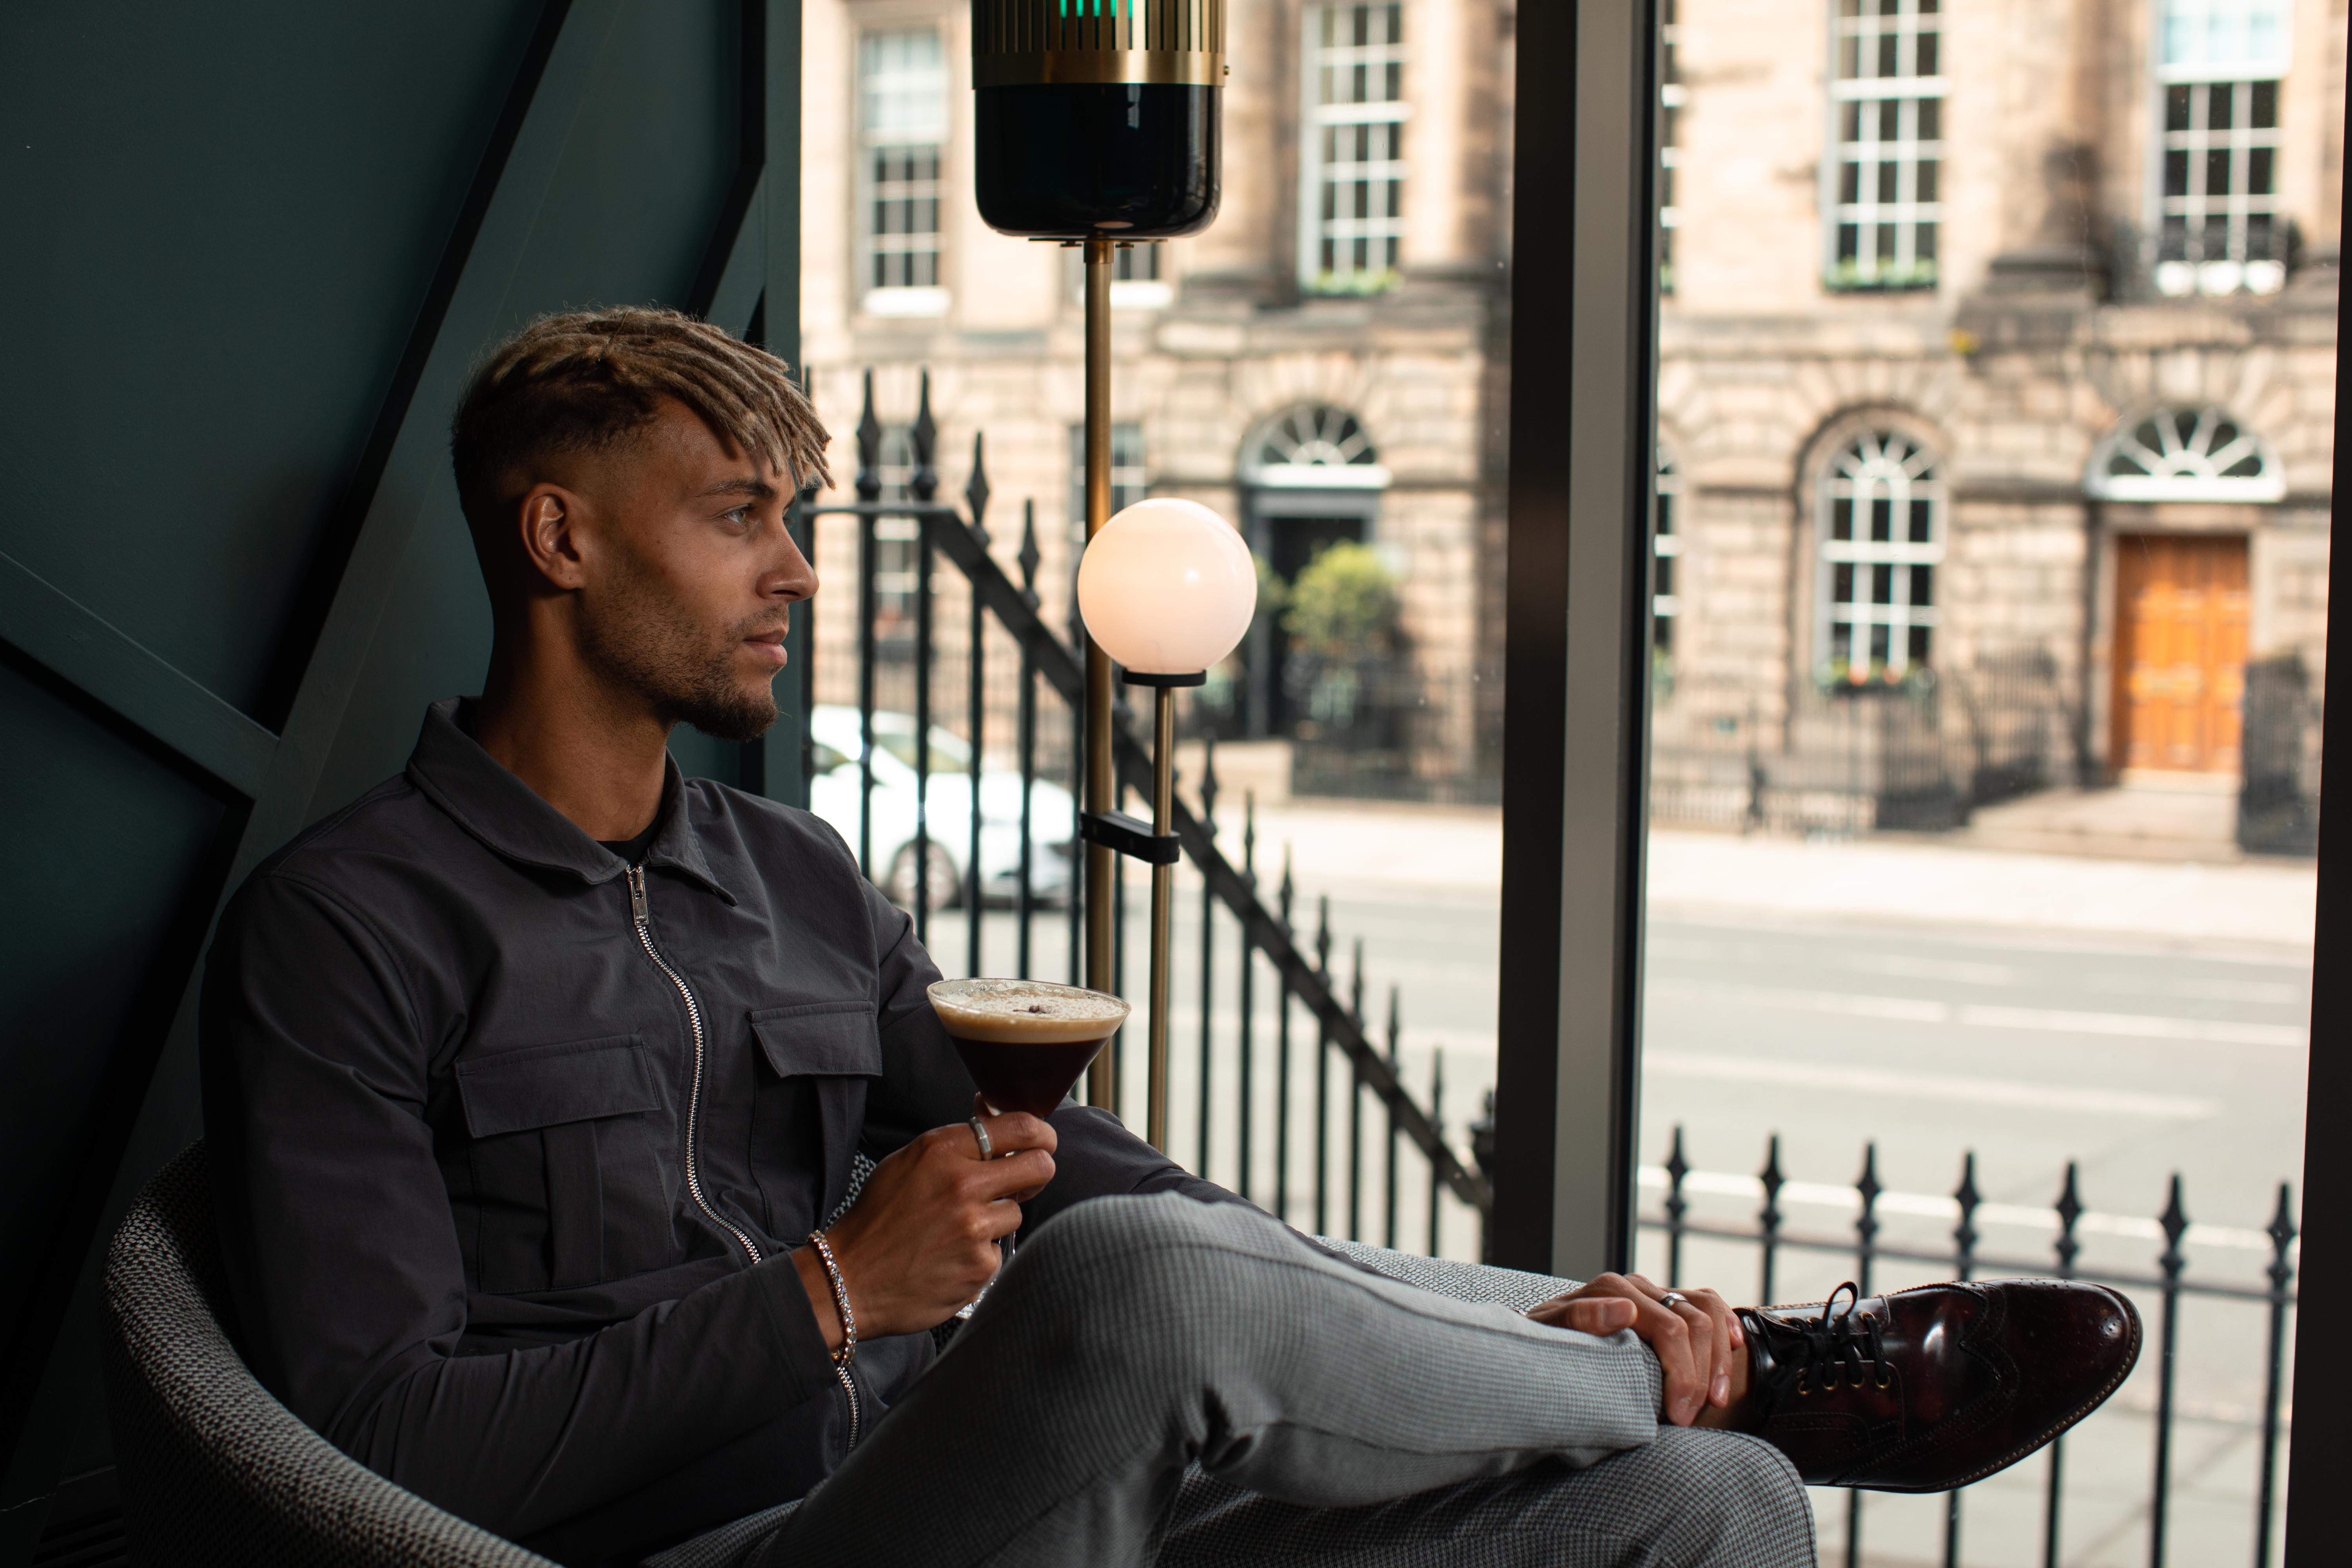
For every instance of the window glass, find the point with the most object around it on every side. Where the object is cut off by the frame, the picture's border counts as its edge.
(1987, 624)
(1352, 155)
(1272, 370)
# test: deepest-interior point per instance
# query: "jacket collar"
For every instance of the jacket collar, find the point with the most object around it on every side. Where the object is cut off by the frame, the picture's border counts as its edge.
(455, 773)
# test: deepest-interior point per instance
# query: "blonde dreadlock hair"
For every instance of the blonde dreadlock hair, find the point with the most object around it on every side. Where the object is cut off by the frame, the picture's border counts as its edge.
(584, 380)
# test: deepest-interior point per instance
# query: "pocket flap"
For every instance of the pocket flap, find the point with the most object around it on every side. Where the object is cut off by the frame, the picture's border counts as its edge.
(821, 1039)
(544, 1086)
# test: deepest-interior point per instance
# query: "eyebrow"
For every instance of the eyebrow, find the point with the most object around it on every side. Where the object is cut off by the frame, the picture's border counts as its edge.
(757, 488)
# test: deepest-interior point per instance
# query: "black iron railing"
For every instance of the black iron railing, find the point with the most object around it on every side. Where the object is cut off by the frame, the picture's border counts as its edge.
(2166, 1287)
(1307, 992)
(1917, 755)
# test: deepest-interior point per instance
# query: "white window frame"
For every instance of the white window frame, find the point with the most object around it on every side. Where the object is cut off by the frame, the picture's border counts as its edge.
(1315, 172)
(1906, 151)
(1674, 98)
(913, 132)
(1666, 539)
(1863, 467)
(2239, 59)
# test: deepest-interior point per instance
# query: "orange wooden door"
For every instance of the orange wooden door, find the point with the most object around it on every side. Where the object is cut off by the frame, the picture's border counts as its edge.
(2181, 651)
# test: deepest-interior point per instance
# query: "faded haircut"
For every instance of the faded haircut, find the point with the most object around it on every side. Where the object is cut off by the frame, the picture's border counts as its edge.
(582, 381)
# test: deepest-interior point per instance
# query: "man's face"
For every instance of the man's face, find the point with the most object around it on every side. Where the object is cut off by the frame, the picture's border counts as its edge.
(688, 576)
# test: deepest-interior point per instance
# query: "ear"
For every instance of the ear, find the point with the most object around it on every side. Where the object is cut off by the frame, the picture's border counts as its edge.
(549, 518)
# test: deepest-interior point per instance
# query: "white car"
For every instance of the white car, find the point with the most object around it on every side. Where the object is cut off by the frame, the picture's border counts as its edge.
(837, 795)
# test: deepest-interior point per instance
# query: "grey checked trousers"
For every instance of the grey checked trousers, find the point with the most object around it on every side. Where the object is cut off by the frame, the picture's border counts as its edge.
(1161, 1381)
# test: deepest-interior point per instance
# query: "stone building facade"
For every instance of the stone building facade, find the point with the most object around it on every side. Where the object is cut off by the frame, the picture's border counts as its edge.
(1312, 375)
(1990, 327)
(2104, 349)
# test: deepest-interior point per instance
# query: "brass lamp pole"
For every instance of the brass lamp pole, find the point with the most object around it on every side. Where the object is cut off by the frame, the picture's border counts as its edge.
(1102, 798)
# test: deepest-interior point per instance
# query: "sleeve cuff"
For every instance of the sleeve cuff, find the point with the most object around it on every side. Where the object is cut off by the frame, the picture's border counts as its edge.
(793, 1327)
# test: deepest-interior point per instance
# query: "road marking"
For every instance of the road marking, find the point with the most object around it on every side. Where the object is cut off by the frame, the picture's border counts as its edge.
(1929, 1086)
(1982, 1015)
(1928, 1205)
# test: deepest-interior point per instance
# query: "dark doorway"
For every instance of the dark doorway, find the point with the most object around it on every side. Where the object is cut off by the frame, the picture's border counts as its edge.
(1288, 543)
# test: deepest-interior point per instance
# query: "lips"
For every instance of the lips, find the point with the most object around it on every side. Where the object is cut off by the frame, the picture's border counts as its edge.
(768, 646)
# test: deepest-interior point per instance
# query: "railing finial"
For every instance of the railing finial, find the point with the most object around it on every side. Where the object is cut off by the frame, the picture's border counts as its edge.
(975, 489)
(1028, 558)
(2070, 1210)
(924, 437)
(1964, 1235)
(869, 448)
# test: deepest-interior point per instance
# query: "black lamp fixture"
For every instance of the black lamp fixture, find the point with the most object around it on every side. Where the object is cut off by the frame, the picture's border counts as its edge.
(1097, 117)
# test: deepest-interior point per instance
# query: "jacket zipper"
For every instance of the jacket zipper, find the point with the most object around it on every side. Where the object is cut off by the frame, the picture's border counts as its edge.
(694, 1089)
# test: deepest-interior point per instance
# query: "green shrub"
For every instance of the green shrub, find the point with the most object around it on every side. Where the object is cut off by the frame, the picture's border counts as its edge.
(1343, 604)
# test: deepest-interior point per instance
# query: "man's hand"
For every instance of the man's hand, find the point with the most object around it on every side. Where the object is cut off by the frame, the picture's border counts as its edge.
(1701, 1351)
(921, 1239)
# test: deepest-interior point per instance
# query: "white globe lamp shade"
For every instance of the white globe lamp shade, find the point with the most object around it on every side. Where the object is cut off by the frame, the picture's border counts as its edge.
(1167, 588)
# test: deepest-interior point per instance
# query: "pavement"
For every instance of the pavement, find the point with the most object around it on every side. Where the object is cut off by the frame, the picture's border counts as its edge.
(1459, 851)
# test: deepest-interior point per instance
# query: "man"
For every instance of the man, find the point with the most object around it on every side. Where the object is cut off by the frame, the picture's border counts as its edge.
(536, 1080)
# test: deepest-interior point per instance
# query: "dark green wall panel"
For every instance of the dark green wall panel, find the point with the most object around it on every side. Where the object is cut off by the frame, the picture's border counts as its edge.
(220, 221)
(108, 848)
(628, 221)
(233, 239)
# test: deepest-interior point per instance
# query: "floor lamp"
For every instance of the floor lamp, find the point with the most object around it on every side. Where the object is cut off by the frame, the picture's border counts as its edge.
(1098, 125)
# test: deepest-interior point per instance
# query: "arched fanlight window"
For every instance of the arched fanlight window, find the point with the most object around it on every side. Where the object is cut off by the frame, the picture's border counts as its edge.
(2184, 454)
(1881, 521)
(1316, 448)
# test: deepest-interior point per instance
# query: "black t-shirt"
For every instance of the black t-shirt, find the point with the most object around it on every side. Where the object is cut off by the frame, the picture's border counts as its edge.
(634, 850)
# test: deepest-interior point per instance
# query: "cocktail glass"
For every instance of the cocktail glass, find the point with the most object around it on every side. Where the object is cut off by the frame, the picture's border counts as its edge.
(1025, 1042)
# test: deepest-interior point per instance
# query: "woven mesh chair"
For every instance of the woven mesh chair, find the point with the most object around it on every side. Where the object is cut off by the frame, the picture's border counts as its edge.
(217, 1473)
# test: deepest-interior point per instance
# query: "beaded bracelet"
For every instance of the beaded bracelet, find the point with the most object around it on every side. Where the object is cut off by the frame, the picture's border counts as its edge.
(848, 1351)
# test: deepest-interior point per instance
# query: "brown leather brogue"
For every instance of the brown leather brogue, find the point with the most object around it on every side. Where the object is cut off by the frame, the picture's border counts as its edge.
(1932, 1388)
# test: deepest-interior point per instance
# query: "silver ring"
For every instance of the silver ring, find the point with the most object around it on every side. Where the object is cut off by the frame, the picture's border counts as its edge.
(1674, 1298)
(980, 1131)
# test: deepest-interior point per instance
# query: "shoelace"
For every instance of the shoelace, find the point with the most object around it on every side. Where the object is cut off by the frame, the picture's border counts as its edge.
(1831, 1349)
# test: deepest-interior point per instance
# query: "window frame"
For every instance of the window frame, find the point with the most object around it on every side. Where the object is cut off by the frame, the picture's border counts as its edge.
(1899, 558)
(1576, 638)
(2238, 270)
(1314, 120)
(873, 298)
(1843, 91)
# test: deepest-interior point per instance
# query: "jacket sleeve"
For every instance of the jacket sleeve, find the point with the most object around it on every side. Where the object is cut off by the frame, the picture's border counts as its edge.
(924, 1085)
(344, 1266)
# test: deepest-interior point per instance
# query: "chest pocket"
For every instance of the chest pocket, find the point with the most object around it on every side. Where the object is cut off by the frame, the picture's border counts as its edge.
(816, 1058)
(567, 1178)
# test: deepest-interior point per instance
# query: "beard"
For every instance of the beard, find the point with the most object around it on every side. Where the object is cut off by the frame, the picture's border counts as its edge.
(644, 642)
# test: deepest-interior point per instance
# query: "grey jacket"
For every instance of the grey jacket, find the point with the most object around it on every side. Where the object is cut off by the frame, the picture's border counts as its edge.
(506, 1184)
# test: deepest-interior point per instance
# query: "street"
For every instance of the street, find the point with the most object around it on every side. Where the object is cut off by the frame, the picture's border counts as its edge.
(2139, 1018)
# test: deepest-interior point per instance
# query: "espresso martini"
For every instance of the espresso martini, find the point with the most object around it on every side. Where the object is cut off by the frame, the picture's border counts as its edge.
(1025, 1042)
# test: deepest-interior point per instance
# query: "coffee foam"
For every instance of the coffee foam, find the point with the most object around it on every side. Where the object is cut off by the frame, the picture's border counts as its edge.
(1034, 1011)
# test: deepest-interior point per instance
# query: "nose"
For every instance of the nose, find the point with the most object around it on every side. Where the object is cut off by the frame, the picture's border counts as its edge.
(793, 578)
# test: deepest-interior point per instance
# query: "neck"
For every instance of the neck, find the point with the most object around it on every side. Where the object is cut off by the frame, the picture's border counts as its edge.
(593, 754)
